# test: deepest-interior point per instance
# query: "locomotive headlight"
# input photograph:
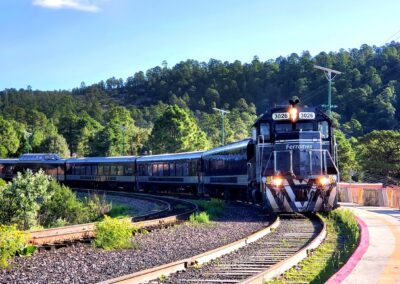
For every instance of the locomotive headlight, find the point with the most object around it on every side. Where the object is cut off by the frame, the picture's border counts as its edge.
(293, 114)
(277, 181)
(322, 181)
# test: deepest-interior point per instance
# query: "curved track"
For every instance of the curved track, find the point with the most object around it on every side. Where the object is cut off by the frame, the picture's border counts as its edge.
(259, 257)
(174, 210)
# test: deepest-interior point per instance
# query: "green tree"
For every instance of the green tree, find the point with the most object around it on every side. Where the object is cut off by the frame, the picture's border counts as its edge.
(55, 144)
(346, 156)
(177, 131)
(380, 152)
(9, 142)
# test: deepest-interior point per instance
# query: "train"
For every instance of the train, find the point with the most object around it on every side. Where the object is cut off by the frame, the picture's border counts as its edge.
(289, 164)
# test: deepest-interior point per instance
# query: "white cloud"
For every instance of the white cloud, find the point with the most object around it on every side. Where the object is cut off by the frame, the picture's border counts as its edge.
(81, 5)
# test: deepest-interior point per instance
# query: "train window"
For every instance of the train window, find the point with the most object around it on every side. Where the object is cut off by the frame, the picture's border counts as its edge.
(154, 170)
(94, 169)
(178, 169)
(100, 170)
(171, 169)
(128, 170)
(106, 170)
(185, 169)
(166, 169)
(305, 126)
(1, 168)
(149, 170)
(120, 170)
(193, 168)
(113, 170)
(283, 127)
(265, 131)
(323, 127)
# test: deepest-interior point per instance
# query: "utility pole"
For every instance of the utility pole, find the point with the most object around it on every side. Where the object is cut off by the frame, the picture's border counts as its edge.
(328, 75)
(123, 139)
(223, 112)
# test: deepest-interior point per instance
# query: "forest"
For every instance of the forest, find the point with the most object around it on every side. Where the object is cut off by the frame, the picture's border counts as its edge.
(170, 109)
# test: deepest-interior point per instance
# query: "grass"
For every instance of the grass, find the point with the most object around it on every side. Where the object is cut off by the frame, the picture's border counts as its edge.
(342, 239)
(200, 218)
(214, 207)
(119, 211)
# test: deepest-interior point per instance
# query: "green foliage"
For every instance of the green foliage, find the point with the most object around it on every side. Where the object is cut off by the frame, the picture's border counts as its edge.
(3, 183)
(113, 234)
(346, 156)
(28, 250)
(55, 144)
(97, 206)
(199, 218)
(342, 239)
(63, 208)
(12, 241)
(21, 200)
(380, 153)
(9, 141)
(214, 208)
(118, 211)
(176, 131)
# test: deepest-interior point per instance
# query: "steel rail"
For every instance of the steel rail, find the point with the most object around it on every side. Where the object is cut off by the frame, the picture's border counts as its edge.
(279, 268)
(86, 231)
(166, 269)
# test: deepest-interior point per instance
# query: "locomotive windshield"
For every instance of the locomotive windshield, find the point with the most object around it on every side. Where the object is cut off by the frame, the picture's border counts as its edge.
(287, 127)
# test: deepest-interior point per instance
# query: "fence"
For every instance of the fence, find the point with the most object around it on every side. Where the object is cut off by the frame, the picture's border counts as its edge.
(370, 194)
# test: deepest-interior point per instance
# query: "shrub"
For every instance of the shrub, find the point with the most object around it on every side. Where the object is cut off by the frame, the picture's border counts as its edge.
(97, 206)
(200, 218)
(2, 183)
(11, 242)
(21, 199)
(63, 208)
(113, 233)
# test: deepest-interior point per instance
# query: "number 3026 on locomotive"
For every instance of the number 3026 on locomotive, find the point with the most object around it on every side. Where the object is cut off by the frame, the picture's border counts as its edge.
(294, 167)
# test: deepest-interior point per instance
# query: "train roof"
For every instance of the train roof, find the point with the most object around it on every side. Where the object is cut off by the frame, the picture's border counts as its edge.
(88, 160)
(171, 157)
(232, 146)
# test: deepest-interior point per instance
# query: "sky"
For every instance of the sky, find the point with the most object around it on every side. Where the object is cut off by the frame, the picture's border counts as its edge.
(57, 44)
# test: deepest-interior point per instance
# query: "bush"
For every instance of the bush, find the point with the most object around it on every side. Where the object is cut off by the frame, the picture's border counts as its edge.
(63, 208)
(21, 200)
(2, 183)
(97, 206)
(12, 241)
(113, 233)
(200, 218)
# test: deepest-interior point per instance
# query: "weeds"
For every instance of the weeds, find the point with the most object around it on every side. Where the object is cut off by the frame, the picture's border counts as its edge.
(341, 241)
(113, 234)
(200, 218)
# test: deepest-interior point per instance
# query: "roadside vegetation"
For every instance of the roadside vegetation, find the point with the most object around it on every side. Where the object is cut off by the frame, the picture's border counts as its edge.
(112, 233)
(341, 241)
(34, 201)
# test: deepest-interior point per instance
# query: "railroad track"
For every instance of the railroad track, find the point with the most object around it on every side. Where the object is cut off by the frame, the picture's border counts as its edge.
(173, 211)
(259, 257)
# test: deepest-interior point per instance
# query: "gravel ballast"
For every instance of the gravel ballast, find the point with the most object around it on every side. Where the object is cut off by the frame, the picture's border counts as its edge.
(84, 264)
